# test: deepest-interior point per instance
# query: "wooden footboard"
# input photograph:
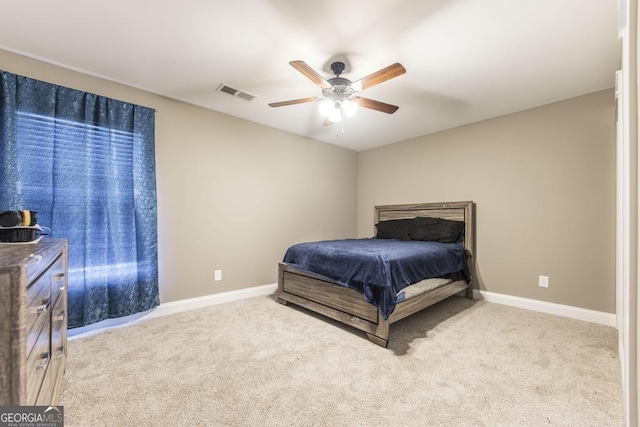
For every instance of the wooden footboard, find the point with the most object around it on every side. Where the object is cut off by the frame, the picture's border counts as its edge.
(334, 301)
(348, 306)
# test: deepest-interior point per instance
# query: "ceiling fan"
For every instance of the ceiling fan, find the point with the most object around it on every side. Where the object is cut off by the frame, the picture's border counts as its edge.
(340, 94)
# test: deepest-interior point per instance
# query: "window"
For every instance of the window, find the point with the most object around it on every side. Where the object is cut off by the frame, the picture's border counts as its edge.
(86, 165)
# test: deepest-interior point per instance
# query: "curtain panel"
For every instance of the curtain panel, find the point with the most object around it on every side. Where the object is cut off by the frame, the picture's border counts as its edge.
(86, 165)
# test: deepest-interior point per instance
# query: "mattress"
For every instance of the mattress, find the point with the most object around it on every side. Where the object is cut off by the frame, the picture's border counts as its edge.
(421, 287)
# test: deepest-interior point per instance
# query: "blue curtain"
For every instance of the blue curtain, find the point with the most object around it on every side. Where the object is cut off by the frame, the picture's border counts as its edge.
(86, 165)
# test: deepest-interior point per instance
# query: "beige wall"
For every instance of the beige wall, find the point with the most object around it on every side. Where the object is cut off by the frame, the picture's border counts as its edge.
(252, 190)
(543, 181)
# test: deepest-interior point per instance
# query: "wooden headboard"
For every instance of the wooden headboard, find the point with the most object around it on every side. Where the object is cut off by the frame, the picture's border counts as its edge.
(456, 211)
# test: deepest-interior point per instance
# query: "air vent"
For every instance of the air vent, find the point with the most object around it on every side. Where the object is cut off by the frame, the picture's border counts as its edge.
(236, 92)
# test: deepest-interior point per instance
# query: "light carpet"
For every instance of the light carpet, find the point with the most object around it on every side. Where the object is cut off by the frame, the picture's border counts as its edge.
(258, 363)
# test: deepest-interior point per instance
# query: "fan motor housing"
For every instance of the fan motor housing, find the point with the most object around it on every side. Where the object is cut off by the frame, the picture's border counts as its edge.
(340, 88)
(339, 81)
(337, 68)
(340, 84)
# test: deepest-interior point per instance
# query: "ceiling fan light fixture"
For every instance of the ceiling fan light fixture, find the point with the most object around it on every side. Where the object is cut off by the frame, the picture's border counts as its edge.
(335, 115)
(349, 107)
(326, 107)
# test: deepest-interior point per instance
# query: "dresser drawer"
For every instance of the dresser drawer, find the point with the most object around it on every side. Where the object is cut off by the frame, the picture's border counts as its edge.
(37, 365)
(58, 362)
(58, 337)
(58, 326)
(38, 308)
(58, 284)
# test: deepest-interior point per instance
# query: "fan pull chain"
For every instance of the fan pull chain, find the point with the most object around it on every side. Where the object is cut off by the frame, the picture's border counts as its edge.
(340, 130)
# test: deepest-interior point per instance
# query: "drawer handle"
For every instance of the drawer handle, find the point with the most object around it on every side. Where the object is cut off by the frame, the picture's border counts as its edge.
(45, 357)
(59, 317)
(59, 352)
(58, 277)
(43, 307)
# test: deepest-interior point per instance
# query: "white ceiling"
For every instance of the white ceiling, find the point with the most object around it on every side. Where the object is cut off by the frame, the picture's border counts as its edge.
(466, 60)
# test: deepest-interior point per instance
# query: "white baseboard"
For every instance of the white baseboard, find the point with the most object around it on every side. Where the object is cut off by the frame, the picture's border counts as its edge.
(593, 316)
(174, 307)
(608, 319)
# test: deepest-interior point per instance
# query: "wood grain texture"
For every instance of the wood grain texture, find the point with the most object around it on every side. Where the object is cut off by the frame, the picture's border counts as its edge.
(13, 347)
(380, 76)
(58, 325)
(340, 298)
(375, 105)
(26, 272)
(348, 306)
(455, 211)
(310, 73)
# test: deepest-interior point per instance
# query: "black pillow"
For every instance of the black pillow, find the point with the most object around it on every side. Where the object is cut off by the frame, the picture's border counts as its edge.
(436, 230)
(394, 229)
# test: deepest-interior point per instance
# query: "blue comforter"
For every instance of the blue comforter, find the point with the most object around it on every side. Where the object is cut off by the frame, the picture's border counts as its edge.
(377, 268)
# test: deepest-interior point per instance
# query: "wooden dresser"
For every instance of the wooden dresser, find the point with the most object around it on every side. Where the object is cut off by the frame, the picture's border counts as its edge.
(33, 322)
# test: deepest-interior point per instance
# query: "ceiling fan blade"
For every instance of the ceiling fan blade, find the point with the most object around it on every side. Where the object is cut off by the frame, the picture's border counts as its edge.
(310, 74)
(294, 101)
(380, 76)
(328, 122)
(375, 105)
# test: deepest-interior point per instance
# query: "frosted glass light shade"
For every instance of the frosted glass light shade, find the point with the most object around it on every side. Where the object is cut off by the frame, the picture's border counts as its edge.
(349, 107)
(326, 107)
(336, 115)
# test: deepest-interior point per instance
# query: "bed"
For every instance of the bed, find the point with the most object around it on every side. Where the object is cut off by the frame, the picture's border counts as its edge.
(323, 294)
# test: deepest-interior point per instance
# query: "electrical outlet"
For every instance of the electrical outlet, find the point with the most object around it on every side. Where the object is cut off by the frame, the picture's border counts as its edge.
(543, 281)
(217, 275)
